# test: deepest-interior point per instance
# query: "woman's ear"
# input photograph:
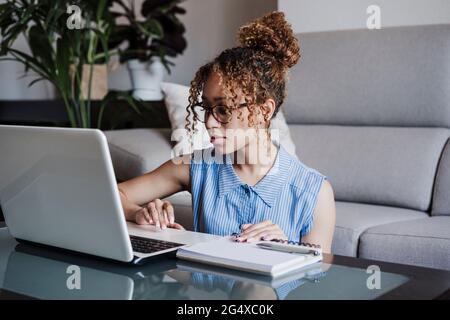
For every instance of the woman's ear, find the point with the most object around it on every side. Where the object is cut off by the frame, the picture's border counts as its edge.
(268, 108)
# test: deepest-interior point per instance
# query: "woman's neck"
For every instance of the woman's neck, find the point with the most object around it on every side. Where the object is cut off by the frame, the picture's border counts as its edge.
(253, 161)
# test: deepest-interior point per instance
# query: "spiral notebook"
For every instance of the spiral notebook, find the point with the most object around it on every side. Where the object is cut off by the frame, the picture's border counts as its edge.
(225, 252)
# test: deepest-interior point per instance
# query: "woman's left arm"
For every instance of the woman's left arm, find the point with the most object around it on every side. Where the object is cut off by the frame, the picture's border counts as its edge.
(324, 219)
(321, 232)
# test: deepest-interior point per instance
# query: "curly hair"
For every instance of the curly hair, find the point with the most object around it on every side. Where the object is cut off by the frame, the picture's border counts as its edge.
(258, 66)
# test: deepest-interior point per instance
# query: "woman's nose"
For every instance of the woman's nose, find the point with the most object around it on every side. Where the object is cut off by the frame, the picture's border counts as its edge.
(211, 122)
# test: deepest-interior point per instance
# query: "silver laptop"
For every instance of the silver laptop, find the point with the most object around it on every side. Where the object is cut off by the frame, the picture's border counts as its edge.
(58, 188)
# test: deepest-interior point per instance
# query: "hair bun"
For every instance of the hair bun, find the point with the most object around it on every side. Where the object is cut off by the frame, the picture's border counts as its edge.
(273, 35)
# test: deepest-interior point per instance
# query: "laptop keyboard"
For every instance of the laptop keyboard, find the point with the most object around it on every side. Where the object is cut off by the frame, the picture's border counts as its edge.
(146, 245)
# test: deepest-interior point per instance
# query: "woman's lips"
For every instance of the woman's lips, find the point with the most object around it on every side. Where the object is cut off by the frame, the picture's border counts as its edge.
(217, 140)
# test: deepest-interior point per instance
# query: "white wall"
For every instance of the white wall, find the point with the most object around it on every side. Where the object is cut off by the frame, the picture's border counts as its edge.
(14, 82)
(12, 88)
(210, 27)
(324, 15)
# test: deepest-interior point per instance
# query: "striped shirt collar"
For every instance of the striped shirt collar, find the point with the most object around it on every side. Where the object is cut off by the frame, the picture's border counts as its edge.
(268, 187)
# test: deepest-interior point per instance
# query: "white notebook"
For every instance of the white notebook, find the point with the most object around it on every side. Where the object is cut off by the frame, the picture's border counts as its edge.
(248, 257)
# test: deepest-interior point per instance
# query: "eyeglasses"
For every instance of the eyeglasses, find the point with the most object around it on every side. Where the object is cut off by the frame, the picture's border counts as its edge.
(221, 113)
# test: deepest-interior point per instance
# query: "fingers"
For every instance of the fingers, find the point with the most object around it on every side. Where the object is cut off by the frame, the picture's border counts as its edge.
(265, 234)
(162, 213)
(169, 210)
(255, 228)
(154, 213)
(143, 217)
(176, 226)
(265, 229)
(268, 236)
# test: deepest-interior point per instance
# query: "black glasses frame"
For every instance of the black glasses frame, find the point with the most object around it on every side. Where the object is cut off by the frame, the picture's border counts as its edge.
(210, 110)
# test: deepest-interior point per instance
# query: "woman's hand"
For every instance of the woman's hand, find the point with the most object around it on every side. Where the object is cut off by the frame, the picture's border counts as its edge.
(265, 230)
(159, 213)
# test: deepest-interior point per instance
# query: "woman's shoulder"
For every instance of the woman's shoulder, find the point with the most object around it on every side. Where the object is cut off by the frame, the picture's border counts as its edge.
(303, 177)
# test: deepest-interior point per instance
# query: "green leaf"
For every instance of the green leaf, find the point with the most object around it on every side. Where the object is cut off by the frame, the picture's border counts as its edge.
(5, 15)
(100, 9)
(63, 62)
(132, 103)
(151, 28)
(35, 81)
(40, 46)
(103, 44)
(50, 15)
(11, 32)
(115, 95)
(33, 63)
(155, 28)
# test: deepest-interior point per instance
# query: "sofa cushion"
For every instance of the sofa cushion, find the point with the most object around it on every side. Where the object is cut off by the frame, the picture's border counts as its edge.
(441, 194)
(138, 151)
(377, 165)
(390, 77)
(424, 242)
(176, 99)
(352, 219)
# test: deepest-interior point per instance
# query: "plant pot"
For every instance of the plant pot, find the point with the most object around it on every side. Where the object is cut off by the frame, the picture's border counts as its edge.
(146, 78)
(99, 82)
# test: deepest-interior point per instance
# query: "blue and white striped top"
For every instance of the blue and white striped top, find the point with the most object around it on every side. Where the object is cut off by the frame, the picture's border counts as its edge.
(222, 202)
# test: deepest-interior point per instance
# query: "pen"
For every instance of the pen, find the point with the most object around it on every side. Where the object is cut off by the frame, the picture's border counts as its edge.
(289, 249)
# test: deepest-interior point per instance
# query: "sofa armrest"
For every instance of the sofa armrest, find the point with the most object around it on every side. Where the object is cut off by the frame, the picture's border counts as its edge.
(441, 200)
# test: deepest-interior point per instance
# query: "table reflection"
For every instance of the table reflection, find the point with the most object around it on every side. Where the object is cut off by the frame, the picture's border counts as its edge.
(43, 273)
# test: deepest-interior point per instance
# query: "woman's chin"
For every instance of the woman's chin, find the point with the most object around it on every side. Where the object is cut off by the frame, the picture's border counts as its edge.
(222, 149)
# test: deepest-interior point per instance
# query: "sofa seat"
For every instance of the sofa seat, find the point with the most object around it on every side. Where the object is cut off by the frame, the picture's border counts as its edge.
(423, 242)
(353, 219)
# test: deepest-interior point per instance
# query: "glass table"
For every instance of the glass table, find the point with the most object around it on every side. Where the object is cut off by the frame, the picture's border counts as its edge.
(32, 272)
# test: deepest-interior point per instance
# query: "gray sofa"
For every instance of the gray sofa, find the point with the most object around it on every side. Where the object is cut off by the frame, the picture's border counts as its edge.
(371, 110)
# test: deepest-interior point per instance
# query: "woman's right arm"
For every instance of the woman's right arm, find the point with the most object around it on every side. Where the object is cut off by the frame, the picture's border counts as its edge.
(142, 194)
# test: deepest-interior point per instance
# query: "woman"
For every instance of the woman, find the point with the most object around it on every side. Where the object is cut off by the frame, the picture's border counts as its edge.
(258, 190)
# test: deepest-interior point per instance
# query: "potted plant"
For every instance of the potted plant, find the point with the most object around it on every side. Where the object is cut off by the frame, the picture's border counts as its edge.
(145, 42)
(68, 40)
